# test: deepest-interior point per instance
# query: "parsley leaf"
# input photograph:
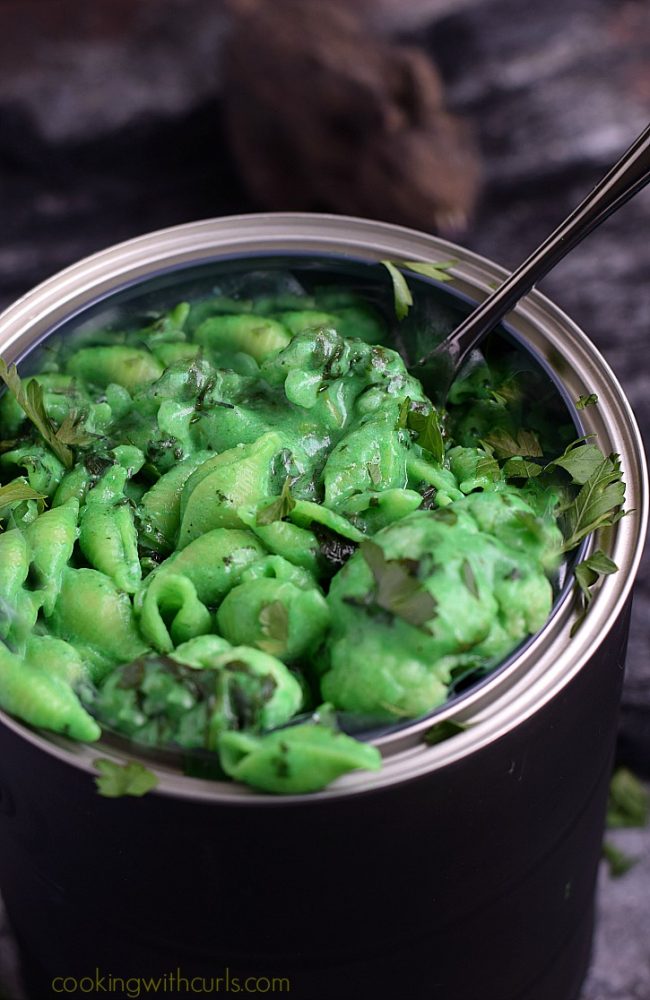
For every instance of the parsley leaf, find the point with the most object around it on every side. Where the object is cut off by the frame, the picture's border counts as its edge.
(438, 271)
(589, 400)
(519, 468)
(628, 806)
(116, 780)
(402, 420)
(580, 460)
(468, 577)
(598, 503)
(619, 862)
(442, 731)
(397, 589)
(587, 574)
(524, 445)
(429, 434)
(73, 432)
(30, 400)
(629, 802)
(374, 471)
(278, 509)
(401, 291)
(274, 622)
(17, 490)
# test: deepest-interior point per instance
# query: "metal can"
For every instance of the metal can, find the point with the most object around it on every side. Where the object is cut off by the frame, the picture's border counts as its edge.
(464, 869)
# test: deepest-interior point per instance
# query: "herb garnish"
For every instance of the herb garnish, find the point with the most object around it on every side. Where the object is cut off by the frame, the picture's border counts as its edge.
(469, 578)
(16, 491)
(401, 292)
(397, 588)
(438, 271)
(426, 426)
(429, 434)
(598, 503)
(442, 731)
(629, 802)
(519, 468)
(628, 806)
(374, 471)
(274, 622)
(619, 862)
(30, 400)
(278, 509)
(580, 460)
(524, 445)
(587, 573)
(116, 780)
(589, 400)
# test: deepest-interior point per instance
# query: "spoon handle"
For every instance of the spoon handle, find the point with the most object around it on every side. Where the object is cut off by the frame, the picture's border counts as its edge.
(625, 179)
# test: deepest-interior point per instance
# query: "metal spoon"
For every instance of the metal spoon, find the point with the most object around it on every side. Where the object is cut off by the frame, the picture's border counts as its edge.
(628, 176)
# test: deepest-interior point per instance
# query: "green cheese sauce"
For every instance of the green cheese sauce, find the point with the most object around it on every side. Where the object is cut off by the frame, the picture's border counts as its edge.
(263, 513)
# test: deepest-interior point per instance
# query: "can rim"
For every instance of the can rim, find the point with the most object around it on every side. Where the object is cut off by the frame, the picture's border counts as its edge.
(551, 660)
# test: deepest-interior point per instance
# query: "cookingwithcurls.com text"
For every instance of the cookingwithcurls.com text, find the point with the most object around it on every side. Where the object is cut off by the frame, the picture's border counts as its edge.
(169, 983)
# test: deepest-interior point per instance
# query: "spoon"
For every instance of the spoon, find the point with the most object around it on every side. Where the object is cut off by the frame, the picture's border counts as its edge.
(628, 176)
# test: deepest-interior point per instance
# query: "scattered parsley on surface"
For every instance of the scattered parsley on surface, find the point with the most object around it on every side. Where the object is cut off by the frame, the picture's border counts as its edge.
(442, 731)
(278, 509)
(401, 291)
(30, 400)
(116, 780)
(397, 589)
(274, 622)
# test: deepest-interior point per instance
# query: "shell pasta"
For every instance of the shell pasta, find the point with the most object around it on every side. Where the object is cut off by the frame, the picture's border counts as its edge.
(228, 529)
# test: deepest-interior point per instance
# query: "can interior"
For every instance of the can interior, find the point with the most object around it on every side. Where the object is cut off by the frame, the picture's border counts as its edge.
(437, 309)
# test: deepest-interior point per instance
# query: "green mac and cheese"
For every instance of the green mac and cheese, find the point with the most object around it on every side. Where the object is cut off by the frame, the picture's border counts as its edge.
(218, 522)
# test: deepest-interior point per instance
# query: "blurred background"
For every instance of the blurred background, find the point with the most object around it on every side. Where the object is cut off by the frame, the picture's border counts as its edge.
(481, 120)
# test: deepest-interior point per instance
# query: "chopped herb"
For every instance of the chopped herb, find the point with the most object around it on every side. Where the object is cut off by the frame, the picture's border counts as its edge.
(72, 431)
(30, 400)
(116, 780)
(438, 271)
(583, 401)
(278, 509)
(374, 471)
(525, 444)
(16, 491)
(429, 434)
(587, 574)
(401, 291)
(598, 503)
(446, 515)
(468, 577)
(519, 468)
(488, 468)
(619, 862)
(397, 588)
(580, 460)
(402, 420)
(442, 731)
(274, 622)
(629, 802)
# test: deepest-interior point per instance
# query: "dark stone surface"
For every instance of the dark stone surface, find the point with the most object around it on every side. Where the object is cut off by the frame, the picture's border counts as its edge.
(119, 133)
